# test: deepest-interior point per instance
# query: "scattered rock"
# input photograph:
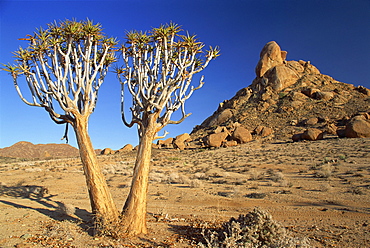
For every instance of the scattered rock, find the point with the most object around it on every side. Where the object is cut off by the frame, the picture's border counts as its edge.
(242, 135)
(216, 139)
(167, 143)
(311, 121)
(312, 134)
(229, 143)
(263, 131)
(180, 140)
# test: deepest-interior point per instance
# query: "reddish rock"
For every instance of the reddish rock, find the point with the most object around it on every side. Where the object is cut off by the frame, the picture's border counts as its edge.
(311, 121)
(180, 140)
(263, 131)
(357, 128)
(107, 151)
(281, 76)
(270, 56)
(312, 134)
(242, 135)
(220, 129)
(229, 143)
(167, 143)
(216, 139)
(127, 147)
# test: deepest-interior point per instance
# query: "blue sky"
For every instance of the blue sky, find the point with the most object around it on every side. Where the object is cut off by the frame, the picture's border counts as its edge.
(332, 34)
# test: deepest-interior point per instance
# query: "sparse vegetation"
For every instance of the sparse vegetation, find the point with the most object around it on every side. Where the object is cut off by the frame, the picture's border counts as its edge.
(255, 229)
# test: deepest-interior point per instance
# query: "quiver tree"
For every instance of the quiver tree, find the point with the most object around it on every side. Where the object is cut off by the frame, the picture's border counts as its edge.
(157, 72)
(64, 67)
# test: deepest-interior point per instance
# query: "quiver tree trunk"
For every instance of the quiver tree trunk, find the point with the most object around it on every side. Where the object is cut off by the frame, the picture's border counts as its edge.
(135, 207)
(101, 200)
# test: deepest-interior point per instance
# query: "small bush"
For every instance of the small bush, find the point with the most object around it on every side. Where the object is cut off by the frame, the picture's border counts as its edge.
(326, 171)
(256, 175)
(256, 229)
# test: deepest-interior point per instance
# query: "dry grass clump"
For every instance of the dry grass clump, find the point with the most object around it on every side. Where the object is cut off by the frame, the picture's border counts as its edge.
(256, 229)
(256, 175)
(326, 171)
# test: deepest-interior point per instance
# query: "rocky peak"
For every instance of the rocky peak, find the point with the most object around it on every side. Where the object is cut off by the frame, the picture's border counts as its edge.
(270, 56)
(284, 94)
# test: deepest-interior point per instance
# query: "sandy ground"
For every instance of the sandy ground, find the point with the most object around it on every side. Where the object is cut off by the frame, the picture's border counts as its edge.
(319, 190)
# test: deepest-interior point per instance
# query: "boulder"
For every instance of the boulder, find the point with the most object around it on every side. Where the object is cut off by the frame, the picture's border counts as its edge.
(280, 77)
(270, 56)
(215, 139)
(180, 140)
(242, 135)
(220, 129)
(311, 121)
(229, 143)
(107, 151)
(357, 128)
(167, 143)
(297, 137)
(312, 134)
(263, 131)
(323, 95)
(127, 147)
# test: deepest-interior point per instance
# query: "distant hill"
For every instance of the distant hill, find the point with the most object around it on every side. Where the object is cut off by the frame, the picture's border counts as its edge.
(284, 95)
(28, 150)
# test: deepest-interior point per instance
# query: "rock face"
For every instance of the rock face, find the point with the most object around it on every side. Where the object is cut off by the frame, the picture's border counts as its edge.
(283, 95)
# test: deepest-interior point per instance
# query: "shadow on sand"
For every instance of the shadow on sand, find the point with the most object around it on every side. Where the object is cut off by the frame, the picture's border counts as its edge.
(54, 209)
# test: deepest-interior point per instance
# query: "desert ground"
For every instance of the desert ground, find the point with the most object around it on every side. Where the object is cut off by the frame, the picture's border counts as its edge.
(318, 190)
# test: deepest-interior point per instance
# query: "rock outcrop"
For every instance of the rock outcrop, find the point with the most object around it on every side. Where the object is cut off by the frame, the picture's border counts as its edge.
(288, 97)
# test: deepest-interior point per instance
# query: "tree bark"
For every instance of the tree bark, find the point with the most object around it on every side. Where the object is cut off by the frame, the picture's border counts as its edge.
(101, 200)
(135, 206)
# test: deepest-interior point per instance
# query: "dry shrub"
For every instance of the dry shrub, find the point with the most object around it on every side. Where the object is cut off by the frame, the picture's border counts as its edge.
(326, 171)
(256, 175)
(256, 229)
(195, 183)
(277, 177)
